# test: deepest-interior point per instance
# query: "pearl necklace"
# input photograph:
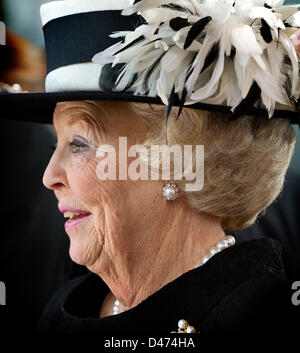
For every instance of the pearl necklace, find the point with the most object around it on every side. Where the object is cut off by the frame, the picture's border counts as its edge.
(225, 243)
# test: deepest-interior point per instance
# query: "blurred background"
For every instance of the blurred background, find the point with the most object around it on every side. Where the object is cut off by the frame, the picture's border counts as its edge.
(22, 17)
(34, 259)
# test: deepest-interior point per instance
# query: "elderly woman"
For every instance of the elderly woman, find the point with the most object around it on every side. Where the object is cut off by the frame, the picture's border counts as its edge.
(143, 246)
(157, 252)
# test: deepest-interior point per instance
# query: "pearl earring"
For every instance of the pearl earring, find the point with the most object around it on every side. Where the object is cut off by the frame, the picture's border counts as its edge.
(170, 192)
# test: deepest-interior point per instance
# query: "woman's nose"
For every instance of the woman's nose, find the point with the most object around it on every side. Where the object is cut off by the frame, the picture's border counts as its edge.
(55, 177)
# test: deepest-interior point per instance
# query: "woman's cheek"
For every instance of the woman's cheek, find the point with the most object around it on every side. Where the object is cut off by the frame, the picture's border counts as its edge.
(83, 180)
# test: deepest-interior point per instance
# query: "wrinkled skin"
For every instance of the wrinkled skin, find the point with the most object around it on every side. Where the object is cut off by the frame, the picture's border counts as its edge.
(135, 240)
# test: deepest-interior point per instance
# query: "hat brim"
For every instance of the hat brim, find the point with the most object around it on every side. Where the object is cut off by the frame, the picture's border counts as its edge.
(39, 107)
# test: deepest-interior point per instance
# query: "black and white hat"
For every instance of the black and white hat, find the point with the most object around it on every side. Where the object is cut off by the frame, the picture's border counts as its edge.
(234, 56)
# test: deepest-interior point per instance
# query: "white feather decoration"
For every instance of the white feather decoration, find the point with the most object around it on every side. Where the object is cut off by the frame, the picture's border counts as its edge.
(210, 51)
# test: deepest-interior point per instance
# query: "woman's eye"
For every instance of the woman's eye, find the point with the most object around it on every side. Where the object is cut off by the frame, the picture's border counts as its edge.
(78, 146)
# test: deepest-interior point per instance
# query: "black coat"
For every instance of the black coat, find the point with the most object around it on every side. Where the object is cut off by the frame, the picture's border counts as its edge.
(241, 288)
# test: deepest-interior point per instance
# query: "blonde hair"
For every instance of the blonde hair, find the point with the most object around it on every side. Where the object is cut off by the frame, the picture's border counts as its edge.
(242, 175)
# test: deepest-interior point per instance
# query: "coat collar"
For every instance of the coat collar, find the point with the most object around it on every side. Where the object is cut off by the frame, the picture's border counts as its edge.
(191, 296)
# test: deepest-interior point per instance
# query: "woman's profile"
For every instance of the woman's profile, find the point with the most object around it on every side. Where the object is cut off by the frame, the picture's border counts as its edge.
(220, 74)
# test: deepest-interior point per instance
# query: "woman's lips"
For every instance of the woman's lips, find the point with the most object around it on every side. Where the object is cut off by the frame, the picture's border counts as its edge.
(77, 216)
(71, 223)
(64, 209)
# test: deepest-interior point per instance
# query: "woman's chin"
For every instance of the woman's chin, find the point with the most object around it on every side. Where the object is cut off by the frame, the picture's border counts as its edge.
(79, 252)
(80, 243)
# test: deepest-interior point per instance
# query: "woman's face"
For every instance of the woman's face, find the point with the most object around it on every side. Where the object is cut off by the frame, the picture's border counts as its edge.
(110, 207)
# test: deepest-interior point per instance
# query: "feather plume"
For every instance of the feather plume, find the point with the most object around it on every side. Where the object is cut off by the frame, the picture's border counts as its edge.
(195, 30)
(265, 31)
(237, 53)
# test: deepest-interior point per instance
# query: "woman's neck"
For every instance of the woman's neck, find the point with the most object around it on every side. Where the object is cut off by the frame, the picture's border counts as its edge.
(156, 255)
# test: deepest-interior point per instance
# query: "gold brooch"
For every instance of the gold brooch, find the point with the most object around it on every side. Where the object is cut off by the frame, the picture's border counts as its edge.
(184, 327)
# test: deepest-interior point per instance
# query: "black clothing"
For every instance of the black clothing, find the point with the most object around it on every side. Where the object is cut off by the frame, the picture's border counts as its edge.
(240, 288)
